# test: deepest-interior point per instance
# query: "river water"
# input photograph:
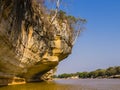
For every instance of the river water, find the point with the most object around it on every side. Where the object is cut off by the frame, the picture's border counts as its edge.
(70, 84)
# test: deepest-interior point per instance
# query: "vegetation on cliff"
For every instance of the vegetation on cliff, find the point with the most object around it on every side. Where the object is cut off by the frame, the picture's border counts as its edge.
(34, 38)
(31, 11)
(111, 72)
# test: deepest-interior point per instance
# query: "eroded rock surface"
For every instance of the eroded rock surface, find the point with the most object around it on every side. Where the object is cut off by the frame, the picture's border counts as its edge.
(30, 46)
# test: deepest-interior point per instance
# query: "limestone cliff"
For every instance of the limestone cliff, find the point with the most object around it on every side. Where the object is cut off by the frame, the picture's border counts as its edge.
(30, 45)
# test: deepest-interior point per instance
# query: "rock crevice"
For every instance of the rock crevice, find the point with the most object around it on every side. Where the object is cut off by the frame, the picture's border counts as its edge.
(31, 47)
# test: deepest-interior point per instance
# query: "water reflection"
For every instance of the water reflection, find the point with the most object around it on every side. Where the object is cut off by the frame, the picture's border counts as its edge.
(40, 86)
(85, 84)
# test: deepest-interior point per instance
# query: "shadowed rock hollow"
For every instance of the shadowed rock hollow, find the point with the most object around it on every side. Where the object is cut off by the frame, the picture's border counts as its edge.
(30, 45)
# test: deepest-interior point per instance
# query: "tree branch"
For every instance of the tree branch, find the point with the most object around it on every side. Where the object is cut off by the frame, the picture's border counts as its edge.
(76, 35)
(56, 11)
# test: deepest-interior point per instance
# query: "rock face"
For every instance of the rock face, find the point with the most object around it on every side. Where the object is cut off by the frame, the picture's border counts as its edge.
(30, 46)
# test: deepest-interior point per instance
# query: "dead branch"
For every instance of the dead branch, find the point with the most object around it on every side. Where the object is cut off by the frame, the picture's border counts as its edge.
(56, 10)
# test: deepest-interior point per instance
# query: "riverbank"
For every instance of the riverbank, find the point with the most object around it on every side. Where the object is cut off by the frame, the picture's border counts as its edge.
(77, 77)
(111, 72)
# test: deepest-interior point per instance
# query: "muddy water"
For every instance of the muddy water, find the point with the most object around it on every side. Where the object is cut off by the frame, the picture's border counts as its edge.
(71, 84)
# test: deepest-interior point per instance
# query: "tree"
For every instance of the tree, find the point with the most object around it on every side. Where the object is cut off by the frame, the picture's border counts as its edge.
(83, 75)
(61, 15)
(56, 10)
(78, 26)
(117, 70)
(65, 75)
(110, 71)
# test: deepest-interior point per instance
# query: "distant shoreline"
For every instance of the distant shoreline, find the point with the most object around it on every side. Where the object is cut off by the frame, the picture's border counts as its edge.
(111, 72)
(83, 78)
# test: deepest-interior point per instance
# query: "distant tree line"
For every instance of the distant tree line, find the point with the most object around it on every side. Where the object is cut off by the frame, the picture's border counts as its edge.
(111, 72)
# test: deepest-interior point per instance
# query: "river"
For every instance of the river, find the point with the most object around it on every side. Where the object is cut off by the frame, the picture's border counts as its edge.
(69, 84)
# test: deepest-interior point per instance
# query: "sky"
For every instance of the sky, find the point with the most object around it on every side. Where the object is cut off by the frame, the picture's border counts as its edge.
(99, 45)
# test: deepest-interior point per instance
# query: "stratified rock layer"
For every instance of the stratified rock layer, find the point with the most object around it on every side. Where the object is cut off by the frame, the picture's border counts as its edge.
(30, 46)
